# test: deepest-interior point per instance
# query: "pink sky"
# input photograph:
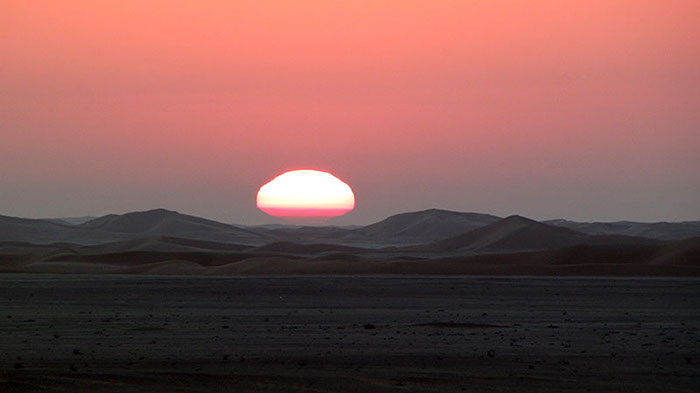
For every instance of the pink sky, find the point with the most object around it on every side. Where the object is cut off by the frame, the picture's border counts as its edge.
(588, 110)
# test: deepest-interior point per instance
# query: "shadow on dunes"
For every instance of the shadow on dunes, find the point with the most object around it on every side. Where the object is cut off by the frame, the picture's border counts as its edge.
(305, 249)
(680, 253)
(336, 256)
(516, 233)
(134, 258)
(260, 265)
(683, 252)
(186, 257)
(163, 243)
(305, 234)
(510, 233)
(681, 258)
(173, 266)
(655, 230)
(64, 267)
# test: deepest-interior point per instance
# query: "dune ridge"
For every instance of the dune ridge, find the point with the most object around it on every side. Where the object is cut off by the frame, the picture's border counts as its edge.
(166, 242)
(671, 258)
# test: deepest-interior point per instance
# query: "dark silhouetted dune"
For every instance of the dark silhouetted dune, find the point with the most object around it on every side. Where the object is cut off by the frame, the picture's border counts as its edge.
(169, 266)
(151, 221)
(424, 226)
(683, 252)
(304, 234)
(305, 249)
(166, 242)
(170, 223)
(31, 230)
(626, 256)
(399, 230)
(133, 258)
(655, 230)
(130, 226)
(511, 233)
(601, 254)
(671, 258)
(337, 256)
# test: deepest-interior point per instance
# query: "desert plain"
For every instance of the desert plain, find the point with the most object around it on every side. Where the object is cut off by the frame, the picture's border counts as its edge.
(350, 333)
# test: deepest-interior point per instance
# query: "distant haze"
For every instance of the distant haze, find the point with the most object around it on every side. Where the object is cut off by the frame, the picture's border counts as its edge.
(588, 110)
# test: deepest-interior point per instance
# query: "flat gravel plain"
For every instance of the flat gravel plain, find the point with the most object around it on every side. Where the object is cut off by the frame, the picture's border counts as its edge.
(121, 333)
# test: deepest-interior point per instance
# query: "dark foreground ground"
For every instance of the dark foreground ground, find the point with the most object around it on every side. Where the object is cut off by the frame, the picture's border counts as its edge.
(92, 333)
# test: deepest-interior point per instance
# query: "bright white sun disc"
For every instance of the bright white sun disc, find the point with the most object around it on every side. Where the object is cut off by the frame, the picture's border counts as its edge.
(306, 193)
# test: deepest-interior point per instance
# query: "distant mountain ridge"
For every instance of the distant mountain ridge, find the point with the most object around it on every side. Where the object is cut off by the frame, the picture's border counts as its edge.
(129, 226)
(449, 231)
(159, 221)
(42, 231)
(431, 241)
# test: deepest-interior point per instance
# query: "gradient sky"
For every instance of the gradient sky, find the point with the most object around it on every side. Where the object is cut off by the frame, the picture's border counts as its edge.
(588, 110)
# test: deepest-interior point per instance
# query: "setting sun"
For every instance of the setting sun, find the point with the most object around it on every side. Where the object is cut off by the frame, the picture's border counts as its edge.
(306, 193)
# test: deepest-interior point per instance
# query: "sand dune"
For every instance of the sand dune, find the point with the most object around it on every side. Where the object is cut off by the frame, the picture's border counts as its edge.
(652, 230)
(516, 233)
(305, 249)
(511, 233)
(171, 266)
(684, 252)
(130, 226)
(672, 258)
(424, 226)
(13, 229)
(308, 234)
(165, 243)
(163, 222)
(399, 230)
(511, 246)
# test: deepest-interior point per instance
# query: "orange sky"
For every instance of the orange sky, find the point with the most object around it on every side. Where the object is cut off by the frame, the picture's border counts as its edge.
(582, 109)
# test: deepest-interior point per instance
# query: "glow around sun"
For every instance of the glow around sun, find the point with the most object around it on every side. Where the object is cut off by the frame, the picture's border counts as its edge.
(304, 194)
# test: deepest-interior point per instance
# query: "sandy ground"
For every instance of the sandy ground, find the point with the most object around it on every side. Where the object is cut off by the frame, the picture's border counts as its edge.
(96, 333)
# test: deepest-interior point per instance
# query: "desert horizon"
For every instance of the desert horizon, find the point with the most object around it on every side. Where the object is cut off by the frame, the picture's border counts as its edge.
(315, 196)
(424, 301)
(432, 241)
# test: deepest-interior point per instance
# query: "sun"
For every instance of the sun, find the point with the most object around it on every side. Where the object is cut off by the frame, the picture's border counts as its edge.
(306, 194)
